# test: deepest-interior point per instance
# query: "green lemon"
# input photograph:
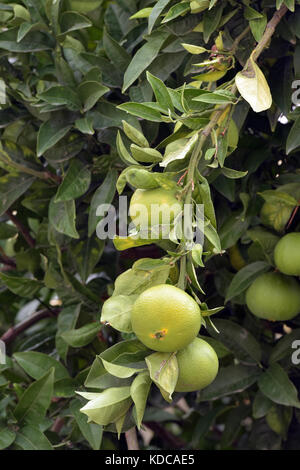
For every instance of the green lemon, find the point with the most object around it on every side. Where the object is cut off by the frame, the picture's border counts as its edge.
(274, 296)
(287, 254)
(198, 366)
(165, 318)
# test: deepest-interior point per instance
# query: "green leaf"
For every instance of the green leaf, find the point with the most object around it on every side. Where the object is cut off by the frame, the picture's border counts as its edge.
(85, 125)
(60, 96)
(81, 336)
(36, 399)
(233, 174)
(11, 188)
(261, 405)
(129, 353)
(7, 231)
(144, 13)
(75, 184)
(134, 282)
(258, 27)
(122, 372)
(145, 155)
(107, 407)
(86, 6)
(139, 392)
(31, 438)
(66, 321)
(91, 432)
(62, 217)
(143, 58)
(124, 243)
(231, 379)
(72, 21)
(253, 87)
(21, 286)
(217, 97)
(123, 154)
(238, 340)
(176, 10)
(117, 312)
(143, 111)
(251, 13)
(293, 140)
(181, 151)
(90, 92)
(49, 134)
(276, 385)
(211, 20)
(37, 364)
(155, 13)
(7, 437)
(160, 91)
(135, 135)
(163, 369)
(277, 197)
(244, 278)
(267, 240)
(103, 195)
(34, 41)
(116, 53)
(194, 49)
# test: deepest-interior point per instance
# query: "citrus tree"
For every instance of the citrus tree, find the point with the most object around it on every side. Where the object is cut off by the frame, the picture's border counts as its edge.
(161, 342)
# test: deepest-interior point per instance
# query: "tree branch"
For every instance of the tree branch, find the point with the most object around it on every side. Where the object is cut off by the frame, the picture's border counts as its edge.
(269, 31)
(22, 228)
(173, 441)
(131, 439)
(14, 331)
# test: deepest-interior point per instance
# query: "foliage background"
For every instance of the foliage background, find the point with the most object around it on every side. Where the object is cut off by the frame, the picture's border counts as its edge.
(67, 66)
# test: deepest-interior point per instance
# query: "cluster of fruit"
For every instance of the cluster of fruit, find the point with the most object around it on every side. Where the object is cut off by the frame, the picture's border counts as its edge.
(276, 295)
(167, 319)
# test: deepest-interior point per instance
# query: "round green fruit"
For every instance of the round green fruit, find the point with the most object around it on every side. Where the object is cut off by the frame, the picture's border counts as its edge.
(198, 366)
(274, 296)
(165, 318)
(287, 254)
(150, 207)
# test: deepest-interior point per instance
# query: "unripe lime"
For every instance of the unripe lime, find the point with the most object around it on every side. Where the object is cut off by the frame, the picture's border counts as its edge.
(165, 318)
(274, 296)
(155, 206)
(198, 366)
(287, 254)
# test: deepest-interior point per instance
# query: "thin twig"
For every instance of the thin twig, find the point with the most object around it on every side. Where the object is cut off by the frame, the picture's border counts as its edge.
(11, 334)
(22, 228)
(131, 439)
(173, 441)
(294, 213)
(238, 39)
(44, 175)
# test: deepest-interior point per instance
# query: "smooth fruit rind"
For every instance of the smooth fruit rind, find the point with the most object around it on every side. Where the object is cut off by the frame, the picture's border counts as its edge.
(155, 201)
(274, 296)
(165, 318)
(198, 366)
(287, 254)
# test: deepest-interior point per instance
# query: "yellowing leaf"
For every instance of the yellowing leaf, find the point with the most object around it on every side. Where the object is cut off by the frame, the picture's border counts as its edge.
(194, 49)
(253, 87)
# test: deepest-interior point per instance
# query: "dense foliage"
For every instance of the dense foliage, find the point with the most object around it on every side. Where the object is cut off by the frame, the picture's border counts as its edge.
(104, 97)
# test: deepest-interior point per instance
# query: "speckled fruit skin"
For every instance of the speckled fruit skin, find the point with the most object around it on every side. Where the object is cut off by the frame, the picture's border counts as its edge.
(198, 366)
(274, 296)
(148, 197)
(165, 318)
(287, 254)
